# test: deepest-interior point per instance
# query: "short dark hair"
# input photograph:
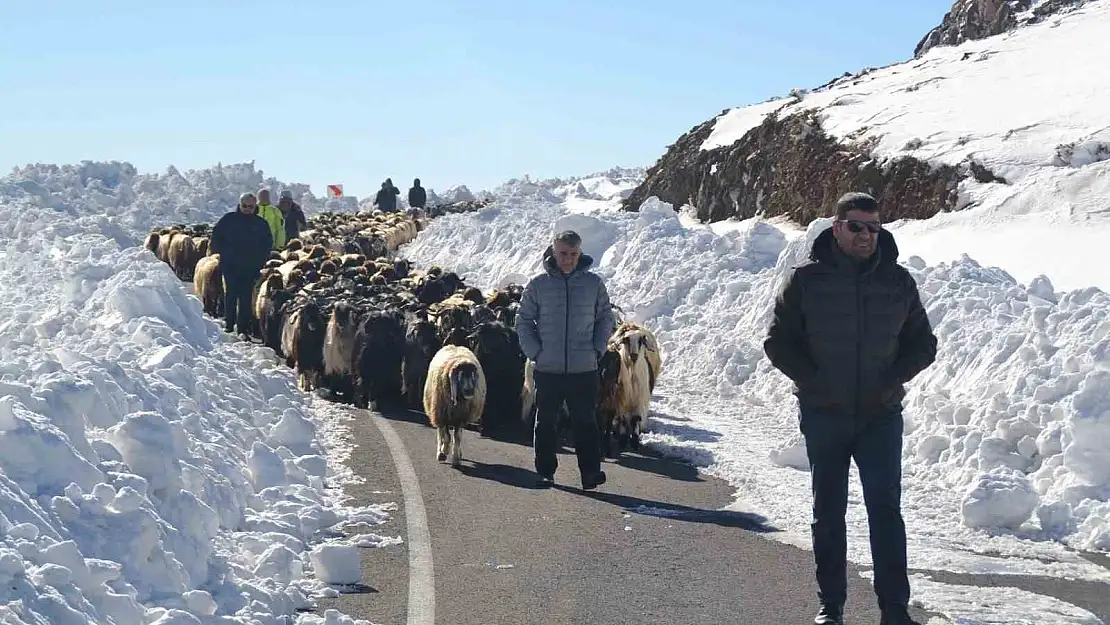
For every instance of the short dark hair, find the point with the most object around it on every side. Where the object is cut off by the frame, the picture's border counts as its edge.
(569, 238)
(855, 201)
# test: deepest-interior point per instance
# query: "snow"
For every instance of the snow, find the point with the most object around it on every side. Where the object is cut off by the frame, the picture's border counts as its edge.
(1007, 446)
(1028, 105)
(732, 125)
(152, 470)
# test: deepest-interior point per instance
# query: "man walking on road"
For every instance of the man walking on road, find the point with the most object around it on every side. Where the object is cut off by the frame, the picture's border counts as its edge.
(564, 323)
(850, 330)
(243, 241)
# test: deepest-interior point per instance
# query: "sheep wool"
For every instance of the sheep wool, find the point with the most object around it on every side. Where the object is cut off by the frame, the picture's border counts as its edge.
(454, 395)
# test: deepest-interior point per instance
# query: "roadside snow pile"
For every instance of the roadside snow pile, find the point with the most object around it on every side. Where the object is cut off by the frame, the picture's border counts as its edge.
(151, 469)
(1009, 429)
(112, 198)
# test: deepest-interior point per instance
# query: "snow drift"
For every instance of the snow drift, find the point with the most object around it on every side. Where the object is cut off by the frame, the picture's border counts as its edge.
(114, 199)
(151, 469)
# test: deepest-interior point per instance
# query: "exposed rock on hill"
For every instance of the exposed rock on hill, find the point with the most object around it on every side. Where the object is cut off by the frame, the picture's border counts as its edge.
(790, 166)
(978, 19)
(909, 133)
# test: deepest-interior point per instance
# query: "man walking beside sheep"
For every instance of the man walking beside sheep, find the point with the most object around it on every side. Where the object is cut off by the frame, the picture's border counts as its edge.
(564, 323)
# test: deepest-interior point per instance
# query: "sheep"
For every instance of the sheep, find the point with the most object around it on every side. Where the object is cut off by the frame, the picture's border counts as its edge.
(421, 344)
(379, 357)
(271, 282)
(339, 349)
(208, 285)
(272, 320)
(454, 396)
(502, 360)
(302, 342)
(528, 392)
(182, 256)
(608, 401)
(640, 368)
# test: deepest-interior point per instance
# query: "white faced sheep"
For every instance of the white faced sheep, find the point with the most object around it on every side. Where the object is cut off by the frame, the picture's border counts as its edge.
(454, 395)
(641, 365)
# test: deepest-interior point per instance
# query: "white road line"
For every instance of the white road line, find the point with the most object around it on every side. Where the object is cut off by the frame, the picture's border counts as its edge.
(422, 585)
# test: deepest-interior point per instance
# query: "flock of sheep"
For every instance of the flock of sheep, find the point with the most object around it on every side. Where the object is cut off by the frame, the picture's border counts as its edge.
(352, 318)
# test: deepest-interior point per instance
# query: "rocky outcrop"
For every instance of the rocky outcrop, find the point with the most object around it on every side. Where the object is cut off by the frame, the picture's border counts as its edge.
(791, 167)
(978, 19)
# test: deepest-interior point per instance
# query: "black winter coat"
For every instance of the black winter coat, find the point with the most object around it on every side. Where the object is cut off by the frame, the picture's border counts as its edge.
(418, 197)
(851, 334)
(294, 221)
(387, 199)
(243, 242)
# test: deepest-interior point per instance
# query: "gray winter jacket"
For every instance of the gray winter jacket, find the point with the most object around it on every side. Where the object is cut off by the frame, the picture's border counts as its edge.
(564, 321)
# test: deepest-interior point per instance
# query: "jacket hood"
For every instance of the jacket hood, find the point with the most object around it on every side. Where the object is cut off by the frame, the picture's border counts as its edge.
(823, 252)
(585, 261)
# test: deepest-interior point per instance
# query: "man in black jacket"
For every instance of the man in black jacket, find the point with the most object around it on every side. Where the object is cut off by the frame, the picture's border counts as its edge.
(387, 197)
(850, 330)
(243, 241)
(294, 216)
(418, 197)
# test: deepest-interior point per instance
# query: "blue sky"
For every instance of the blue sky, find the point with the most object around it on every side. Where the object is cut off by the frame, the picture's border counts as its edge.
(449, 91)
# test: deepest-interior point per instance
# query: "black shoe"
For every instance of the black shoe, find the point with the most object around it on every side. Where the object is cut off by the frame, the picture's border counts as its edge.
(545, 481)
(592, 481)
(898, 615)
(829, 615)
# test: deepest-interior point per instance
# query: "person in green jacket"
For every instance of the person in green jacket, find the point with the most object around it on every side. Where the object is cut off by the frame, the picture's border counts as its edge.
(273, 217)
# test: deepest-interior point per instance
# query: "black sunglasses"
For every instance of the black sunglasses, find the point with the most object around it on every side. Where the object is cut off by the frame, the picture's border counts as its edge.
(855, 225)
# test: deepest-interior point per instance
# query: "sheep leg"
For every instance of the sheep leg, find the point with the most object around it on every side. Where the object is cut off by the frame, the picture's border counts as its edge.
(442, 441)
(456, 446)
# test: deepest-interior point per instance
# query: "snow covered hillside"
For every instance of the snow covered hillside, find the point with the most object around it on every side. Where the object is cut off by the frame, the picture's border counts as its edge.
(1007, 453)
(1030, 107)
(151, 470)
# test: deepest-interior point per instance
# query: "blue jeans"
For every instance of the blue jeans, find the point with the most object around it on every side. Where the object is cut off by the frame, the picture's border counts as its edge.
(876, 446)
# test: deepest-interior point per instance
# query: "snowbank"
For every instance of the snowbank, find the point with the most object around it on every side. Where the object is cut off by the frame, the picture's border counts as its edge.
(150, 467)
(114, 199)
(732, 125)
(1005, 454)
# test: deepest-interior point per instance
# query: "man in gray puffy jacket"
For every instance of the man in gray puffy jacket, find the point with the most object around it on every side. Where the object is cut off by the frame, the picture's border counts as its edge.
(564, 323)
(850, 330)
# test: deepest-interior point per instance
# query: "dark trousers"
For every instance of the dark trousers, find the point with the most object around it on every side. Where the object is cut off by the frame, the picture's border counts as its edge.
(238, 308)
(876, 446)
(579, 391)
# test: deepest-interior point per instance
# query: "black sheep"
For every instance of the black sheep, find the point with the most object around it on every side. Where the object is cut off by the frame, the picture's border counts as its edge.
(380, 353)
(273, 319)
(502, 360)
(421, 344)
(307, 344)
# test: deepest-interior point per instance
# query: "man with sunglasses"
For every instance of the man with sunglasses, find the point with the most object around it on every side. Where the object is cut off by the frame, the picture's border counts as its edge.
(849, 329)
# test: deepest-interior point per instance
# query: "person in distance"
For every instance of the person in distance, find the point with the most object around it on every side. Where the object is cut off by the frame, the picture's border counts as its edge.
(849, 329)
(273, 217)
(418, 197)
(292, 214)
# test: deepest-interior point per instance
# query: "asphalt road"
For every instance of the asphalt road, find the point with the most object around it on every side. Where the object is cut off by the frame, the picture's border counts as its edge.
(652, 545)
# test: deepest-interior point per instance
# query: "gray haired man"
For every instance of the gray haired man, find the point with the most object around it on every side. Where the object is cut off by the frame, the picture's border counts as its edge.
(564, 323)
